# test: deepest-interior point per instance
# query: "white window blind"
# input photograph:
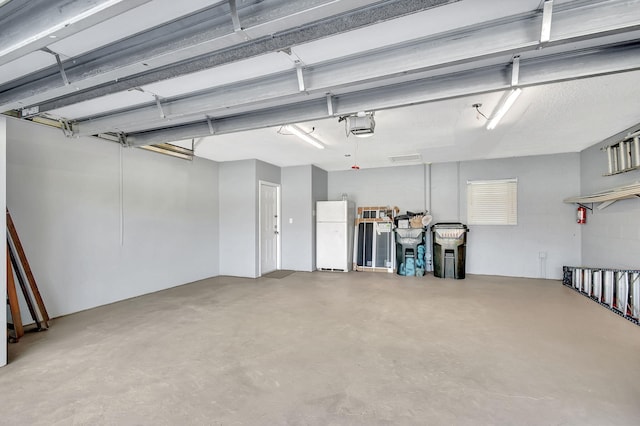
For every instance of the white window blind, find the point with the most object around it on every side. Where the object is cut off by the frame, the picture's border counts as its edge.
(492, 202)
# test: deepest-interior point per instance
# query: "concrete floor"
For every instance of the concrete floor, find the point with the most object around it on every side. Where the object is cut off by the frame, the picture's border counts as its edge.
(332, 349)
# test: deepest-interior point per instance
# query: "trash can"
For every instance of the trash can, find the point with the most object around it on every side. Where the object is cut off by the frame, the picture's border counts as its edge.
(449, 250)
(408, 257)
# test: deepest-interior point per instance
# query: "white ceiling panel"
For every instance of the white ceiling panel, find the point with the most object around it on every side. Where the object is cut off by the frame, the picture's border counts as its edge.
(279, 149)
(418, 25)
(25, 65)
(571, 116)
(129, 23)
(225, 74)
(104, 104)
(556, 118)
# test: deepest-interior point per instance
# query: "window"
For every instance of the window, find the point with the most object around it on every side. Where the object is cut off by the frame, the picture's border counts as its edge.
(492, 202)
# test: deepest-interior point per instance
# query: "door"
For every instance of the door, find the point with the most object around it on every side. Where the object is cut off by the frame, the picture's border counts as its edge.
(269, 229)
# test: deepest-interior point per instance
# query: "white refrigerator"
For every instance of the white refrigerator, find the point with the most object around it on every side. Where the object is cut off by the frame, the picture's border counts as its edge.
(335, 221)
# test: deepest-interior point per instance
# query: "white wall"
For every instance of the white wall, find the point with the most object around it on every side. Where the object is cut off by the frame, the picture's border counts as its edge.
(445, 200)
(64, 197)
(389, 186)
(239, 198)
(297, 218)
(611, 237)
(238, 218)
(302, 186)
(3, 249)
(319, 192)
(545, 223)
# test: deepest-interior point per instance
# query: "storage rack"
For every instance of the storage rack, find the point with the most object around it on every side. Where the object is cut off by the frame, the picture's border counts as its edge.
(374, 248)
(616, 289)
(623, 156)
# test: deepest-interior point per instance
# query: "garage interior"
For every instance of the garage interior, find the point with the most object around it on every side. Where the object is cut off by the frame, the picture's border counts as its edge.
(138, 137)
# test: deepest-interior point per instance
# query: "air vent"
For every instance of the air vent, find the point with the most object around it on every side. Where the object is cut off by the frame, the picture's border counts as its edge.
(407, 158)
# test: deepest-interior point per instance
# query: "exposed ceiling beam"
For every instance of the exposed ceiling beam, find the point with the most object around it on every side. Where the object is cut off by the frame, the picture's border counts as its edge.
(185, 45)
(582, 64)
(27, 25)
(471, 47)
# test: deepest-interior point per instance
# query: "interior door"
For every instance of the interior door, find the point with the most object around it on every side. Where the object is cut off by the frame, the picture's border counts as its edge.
(268, 228)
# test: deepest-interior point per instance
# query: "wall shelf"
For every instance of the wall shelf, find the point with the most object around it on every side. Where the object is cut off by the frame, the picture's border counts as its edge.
(608, 197)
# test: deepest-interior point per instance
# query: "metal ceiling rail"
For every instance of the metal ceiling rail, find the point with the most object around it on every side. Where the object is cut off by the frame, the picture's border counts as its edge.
(185, 45)
(538, 71)
(473, 46)
(228, 102)
(27, 25)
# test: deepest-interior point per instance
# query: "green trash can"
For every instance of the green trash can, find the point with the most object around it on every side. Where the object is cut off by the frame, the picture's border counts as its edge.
(449, 250)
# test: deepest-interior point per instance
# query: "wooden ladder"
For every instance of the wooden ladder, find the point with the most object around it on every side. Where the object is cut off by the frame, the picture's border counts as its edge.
(39, 315)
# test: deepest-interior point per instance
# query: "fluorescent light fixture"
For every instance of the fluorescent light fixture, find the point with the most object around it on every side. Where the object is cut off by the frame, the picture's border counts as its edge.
(293, 129)
(49, 31)
(502, 110)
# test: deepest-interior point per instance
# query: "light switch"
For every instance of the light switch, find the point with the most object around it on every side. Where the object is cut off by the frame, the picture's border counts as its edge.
(290, 220)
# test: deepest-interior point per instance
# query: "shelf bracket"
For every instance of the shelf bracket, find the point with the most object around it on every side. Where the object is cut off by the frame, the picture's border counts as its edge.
(585, 206)
(605, 204)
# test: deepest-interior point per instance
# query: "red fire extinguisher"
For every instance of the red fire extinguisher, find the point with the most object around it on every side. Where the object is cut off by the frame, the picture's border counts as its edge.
(582, 215)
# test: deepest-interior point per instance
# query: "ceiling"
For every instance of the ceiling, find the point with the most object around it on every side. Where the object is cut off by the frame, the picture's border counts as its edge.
(224, 76)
